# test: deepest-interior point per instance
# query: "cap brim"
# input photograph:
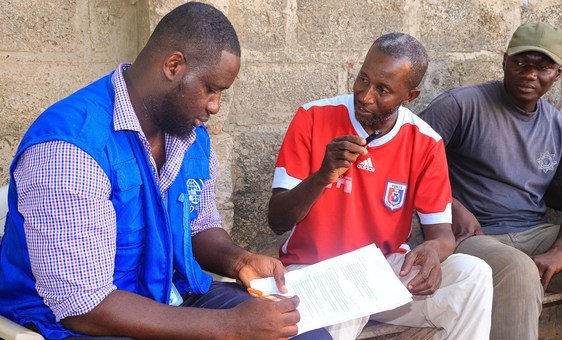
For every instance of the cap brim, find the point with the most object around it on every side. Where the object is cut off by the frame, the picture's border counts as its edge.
(520, 49)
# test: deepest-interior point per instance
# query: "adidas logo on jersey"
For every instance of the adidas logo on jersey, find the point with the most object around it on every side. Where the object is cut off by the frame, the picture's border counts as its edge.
(366, 165)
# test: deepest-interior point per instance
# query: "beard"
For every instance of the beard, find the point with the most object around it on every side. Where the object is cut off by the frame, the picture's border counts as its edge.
(168, 117)
(375, 120)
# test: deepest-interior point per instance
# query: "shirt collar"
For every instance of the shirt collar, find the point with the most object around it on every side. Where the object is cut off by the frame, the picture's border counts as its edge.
(124, 117)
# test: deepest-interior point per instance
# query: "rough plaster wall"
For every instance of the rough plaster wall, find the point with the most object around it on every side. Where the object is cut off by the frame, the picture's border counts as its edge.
(294, 51)
(48, 49)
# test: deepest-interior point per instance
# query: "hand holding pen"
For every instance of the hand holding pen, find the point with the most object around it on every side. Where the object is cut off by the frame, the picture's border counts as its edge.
(260, 294)
(340, 154)
(263, 319)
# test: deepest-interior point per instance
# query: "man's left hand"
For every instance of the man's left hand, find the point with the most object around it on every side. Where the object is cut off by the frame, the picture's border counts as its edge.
(428, 278)
(548, 264)
(254, 266)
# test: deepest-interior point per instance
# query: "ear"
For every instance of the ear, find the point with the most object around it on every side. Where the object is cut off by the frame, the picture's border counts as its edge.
(559, 73)
(174, 65)
(504, 61)
(412, 94)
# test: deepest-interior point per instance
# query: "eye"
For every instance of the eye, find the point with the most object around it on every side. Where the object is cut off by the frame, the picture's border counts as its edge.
(363, 79)
(382, 90)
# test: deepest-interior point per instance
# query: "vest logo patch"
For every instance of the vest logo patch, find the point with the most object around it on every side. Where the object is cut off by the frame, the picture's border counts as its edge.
(366, 165)
(394, 195)
(194, 187)
(547, 162)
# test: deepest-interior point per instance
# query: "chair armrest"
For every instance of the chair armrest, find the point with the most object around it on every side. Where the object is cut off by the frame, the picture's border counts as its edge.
(10, 330)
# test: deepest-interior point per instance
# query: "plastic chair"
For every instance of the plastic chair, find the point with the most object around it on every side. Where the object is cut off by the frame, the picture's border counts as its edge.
(3, 207)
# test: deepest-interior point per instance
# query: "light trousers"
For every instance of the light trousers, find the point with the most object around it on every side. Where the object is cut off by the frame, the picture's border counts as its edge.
(461, 307)
(518, 292)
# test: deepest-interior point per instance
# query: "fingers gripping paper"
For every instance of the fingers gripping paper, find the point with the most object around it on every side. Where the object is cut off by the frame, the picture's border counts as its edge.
(342, 288)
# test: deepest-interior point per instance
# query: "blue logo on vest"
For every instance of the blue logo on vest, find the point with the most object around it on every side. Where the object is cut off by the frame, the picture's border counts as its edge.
(394, 195)
(194, 187)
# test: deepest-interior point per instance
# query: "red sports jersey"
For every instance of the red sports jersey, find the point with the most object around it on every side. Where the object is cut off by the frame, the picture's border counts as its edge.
(373, 201)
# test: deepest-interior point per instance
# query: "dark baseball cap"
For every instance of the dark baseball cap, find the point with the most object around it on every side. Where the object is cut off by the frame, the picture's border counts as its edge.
(539, 37)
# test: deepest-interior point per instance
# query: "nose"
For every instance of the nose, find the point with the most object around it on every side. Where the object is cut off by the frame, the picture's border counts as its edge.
(214, 104)
(530, 72)
(368, 95)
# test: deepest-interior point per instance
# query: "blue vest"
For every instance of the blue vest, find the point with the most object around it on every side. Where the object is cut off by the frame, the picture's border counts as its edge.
(153, 233)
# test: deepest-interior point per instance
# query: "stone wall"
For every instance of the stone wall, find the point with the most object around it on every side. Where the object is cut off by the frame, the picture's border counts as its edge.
(294, 51)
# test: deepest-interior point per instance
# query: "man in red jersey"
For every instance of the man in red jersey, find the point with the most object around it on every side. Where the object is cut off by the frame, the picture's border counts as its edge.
(336, 193)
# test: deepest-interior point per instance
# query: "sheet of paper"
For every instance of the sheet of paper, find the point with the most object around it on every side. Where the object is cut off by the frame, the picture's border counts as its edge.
(342, 288)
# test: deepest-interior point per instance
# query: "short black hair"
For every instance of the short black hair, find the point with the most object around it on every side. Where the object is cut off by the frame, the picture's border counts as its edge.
(200, 31)
(401, 45)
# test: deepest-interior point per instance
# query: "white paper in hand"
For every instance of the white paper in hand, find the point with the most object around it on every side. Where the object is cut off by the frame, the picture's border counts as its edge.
(342, 288)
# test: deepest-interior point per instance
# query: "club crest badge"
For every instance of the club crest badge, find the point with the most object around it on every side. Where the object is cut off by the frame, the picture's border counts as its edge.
(394, 195)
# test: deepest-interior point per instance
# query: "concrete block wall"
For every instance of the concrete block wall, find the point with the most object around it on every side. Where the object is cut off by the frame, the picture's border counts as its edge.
(293, 51)
(48, 49)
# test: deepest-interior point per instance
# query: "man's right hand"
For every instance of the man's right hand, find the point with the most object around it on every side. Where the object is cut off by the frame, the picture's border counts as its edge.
(288, 207)
(341, 152)
(465, 223)
(260, 318)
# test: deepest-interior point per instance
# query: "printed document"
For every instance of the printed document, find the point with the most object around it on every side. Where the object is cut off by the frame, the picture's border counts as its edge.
(342, 288)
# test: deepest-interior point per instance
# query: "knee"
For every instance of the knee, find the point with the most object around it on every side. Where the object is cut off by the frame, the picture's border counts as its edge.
(471, 276)
(516, 278)
(516, 269)
(511, 268)
(471, 268)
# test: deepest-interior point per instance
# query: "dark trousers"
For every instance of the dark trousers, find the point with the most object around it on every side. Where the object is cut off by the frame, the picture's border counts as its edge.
(223, 295)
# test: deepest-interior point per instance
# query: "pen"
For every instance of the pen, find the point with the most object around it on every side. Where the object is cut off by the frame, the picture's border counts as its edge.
(372, 136)
(260, 294)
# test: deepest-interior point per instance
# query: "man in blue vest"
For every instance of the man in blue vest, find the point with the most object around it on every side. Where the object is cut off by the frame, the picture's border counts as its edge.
(111, 199)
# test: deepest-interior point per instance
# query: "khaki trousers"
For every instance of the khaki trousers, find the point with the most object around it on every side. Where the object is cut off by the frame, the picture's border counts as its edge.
(518, 291)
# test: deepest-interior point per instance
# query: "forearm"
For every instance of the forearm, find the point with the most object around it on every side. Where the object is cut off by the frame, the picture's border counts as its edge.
(288, 207)
(464, 224)
(214, 250)
(123, 313)
(457, 208)
(439, 237)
